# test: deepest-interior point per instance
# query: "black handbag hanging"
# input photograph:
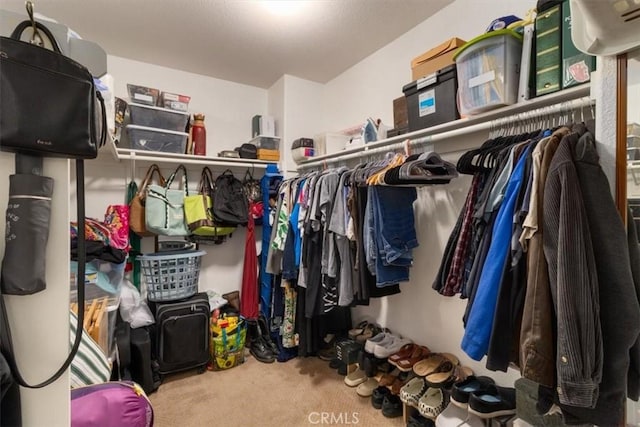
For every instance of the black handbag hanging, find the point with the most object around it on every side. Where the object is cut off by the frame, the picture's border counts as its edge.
(55, 109)
(54, 113)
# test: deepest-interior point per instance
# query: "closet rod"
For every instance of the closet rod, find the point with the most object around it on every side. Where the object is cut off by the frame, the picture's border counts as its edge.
(203, 162)
(384, 146)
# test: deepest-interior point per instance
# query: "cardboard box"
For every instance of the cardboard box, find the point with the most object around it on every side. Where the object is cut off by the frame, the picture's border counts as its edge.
(400, 113)
(435, 59)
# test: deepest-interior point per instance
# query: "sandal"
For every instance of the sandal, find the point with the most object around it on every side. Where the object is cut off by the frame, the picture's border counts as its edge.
(432, 363)
(447, 373)
(404, 352)
(432, 403)
(388, 379)
(369, 331)
(406, 364)
(358, 330)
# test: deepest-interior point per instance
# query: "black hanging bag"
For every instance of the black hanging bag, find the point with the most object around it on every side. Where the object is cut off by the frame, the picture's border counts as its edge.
(50, 105)
(230, 203)
(50, 108)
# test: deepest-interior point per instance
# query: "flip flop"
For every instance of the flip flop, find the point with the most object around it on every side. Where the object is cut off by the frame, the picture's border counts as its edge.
(432, 363)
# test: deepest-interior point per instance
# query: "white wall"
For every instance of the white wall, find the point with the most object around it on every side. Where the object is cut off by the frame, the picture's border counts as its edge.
(303, 114)
(367, 89)
(40, 322)
(228, 109)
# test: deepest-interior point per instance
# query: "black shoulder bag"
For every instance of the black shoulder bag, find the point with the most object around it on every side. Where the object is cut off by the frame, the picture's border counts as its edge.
(49, 108)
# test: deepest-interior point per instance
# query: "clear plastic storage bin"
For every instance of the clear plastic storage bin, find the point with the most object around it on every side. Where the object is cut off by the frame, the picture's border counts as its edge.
(154, 139)
(488, 70)
(103, 281)
(266, 142)
(156, 117)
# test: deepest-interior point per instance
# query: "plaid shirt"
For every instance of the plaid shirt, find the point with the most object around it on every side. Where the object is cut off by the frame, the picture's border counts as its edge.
(453, 284)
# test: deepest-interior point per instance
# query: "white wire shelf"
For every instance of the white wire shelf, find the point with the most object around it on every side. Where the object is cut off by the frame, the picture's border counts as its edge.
(188, 159)
(563, 101)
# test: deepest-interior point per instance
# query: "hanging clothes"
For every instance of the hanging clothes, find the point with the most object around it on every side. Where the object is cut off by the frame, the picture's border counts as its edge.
(477, 333)
(269, 184)
(537, 332)
(619, 311)
(249, 299)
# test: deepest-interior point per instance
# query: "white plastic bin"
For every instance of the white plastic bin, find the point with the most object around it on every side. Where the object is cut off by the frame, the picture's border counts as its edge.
(488, 70)
(156, 117)
(153, 139)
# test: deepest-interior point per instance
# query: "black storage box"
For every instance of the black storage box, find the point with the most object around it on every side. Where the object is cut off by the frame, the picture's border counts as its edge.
(431, 100)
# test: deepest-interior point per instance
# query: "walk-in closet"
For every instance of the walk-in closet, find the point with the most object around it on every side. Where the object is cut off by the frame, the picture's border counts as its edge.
(320, 212)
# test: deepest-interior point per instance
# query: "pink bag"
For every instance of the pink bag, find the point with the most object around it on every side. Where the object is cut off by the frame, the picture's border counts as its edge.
(117, 220)
(112, 404)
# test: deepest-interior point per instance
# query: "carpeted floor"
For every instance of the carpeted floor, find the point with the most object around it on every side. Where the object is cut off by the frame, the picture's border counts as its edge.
(292, 394)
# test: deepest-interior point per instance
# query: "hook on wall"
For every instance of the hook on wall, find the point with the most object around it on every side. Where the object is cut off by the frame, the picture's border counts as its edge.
(36, 38)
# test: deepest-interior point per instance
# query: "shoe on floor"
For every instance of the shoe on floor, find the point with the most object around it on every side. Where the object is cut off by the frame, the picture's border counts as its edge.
(261, 351)
(461, 391)
(412, 391)
(384, 349)
(391, 406)
(378, 395)
(417, 420)
(432, 403)
(492, 402)
(342, 369)
(382, 337)
(327, 354)
(366, 388)
(334, 363)
(355, 378)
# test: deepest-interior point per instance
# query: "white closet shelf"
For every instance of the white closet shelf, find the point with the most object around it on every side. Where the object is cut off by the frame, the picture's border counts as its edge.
(159, 157)
(568, 99)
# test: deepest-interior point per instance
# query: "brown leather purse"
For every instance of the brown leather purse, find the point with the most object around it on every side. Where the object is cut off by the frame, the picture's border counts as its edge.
(136, 207)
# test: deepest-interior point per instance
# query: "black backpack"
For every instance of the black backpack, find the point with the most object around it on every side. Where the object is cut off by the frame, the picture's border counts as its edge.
(230, 204)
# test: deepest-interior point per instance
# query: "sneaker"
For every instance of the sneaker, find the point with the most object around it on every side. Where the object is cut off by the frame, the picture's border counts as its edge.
(355, 378)
(366, 388)
(386, 348)
(461, 391)
(391, 406)
(381, 338)
(492, 402)
(378, 395)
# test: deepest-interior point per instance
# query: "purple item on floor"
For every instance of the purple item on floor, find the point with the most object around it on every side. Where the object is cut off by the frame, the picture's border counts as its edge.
(112, 404)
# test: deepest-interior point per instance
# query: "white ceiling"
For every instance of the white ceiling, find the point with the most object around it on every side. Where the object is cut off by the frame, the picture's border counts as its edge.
(241, 40)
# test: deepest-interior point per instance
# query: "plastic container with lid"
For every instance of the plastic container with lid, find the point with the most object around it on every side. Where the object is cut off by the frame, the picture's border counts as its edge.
(153, 139)
(488, 69)
(156, 117)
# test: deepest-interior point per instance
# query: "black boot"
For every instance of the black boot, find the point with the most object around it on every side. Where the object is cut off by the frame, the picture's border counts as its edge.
(266, 335)
(257, 346)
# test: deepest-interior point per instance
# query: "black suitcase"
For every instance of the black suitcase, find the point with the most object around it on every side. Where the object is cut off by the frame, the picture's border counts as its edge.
(141, 367)
(181, 338)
